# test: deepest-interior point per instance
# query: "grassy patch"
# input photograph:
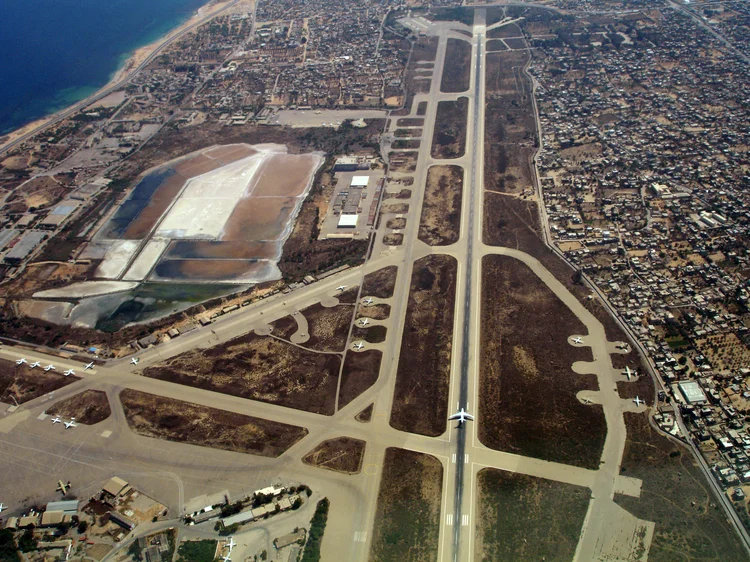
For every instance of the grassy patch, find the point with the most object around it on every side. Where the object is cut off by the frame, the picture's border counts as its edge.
(197, 551)
(317, 528)
(526, 518)
(407, 520)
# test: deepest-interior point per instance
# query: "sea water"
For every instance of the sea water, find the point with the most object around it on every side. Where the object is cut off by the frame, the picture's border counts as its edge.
(54, 53)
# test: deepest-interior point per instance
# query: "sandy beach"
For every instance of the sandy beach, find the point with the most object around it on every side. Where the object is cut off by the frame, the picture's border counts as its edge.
(212, 8)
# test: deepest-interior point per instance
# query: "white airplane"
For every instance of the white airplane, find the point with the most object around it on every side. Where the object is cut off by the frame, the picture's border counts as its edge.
(56, 420)
(638, 401)
(359, 345)
(71, 423)
(341, 287)
(21, 361)
(462, 416)
(35, 364)
(578, 340)
(134, 360)
(628, 373)
(227, 558)
(89, 366)
(69, 372)
(364, 321)
(49, 367)
(368, 300)
(2, 507)
(231, 544)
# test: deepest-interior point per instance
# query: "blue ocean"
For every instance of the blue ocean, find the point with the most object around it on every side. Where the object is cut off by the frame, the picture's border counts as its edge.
(54, 53)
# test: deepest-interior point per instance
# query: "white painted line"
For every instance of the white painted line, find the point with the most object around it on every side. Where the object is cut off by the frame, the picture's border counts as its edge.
(466, 459)
(465, 520)
(449, 519)
(454, 458)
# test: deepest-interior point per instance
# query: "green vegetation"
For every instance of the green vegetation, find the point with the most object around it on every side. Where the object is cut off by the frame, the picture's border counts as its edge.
(197, 551)
(8, 548)
(526, 518)
(315, 536)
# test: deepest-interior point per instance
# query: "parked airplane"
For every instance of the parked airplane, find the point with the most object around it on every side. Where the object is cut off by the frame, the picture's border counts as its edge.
(231, 544)
(628, 372)
(2, 507)
(638, 401)
(359, 345)
(368, 301)
(49, 367)
(134, 360)
(62, 487)
(71, 423)
(227, 558)
(364, 321)
(341, 287)
(21, 361)
(35, 364)
(462, 416)
(69, 372)
(56, 420)
(89, 366)
(578, 340)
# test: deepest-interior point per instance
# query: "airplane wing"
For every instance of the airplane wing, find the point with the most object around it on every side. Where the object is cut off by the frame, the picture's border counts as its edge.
(468, 416)
(455, 417)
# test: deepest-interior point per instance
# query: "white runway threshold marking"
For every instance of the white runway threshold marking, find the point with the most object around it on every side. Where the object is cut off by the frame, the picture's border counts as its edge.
(464, 520)
(360, 536)
(449, 519)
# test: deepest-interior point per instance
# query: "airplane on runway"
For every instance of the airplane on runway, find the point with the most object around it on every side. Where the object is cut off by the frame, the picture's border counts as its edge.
(35, 364)
(638, 401)
(71, 423)
(69, 372)
(359, 345)
(341, 287)
(462, 416)
(56, 420)
(134, 360)
(364, 321)
(89, 366)
(49, 367)
(578, 340)
(21, 361)
(628, 373)
(368, 301)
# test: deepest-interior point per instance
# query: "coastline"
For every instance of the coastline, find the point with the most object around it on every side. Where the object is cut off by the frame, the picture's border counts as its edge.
(125, 71)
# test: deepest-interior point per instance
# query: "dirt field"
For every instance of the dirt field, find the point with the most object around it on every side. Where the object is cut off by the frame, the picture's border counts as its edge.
(527, 394)
(21, 384)
(394, 239)
(39, 192)
(328, 327)
(449, 138)
(401, 194)
(420, 402)
(440, 223)
(422, 108)
(365, 415)
(410, 122)
(397, 223)
(343, 454)
(457, 69)
(400, 133)
(360, 372)
(174, 420)
(407, 520)
(284, 327)
(496, 45)
(258, 368)
(371, 334)
(395, 208)
(525, 518)
(375, 311)
(676, 497)
(88, 407)
(509, 120)
(404, 161)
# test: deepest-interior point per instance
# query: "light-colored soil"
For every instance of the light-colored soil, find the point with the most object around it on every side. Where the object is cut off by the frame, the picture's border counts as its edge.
(88, 407)
(440, 223)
